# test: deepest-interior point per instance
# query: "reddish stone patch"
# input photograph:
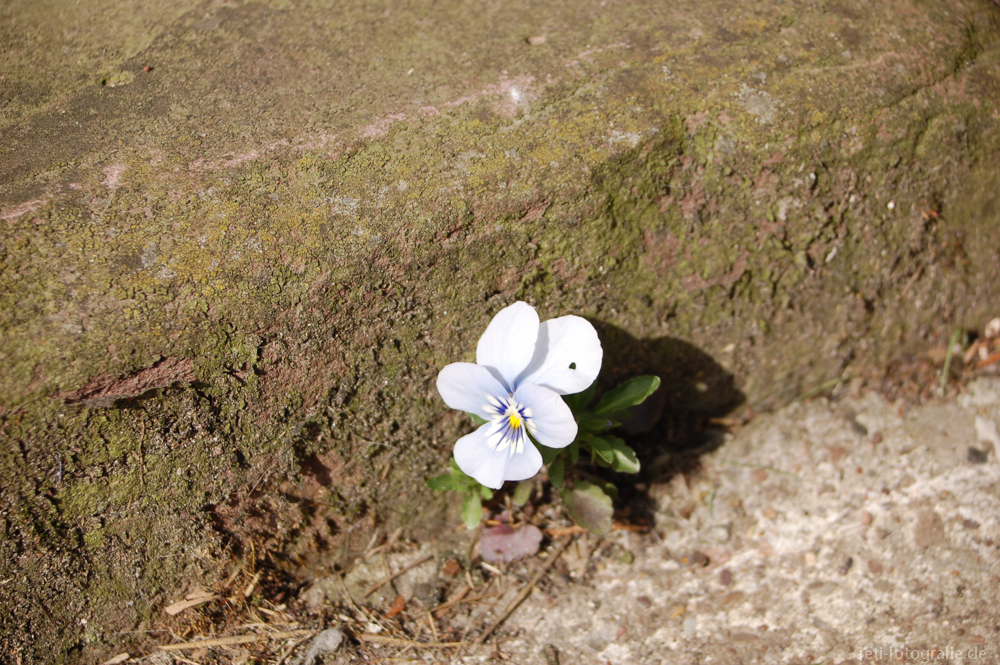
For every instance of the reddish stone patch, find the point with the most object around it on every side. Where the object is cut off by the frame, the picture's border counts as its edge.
(693, 201)
(661, 253)
(105, 390)
(696, 282)
(536, 210)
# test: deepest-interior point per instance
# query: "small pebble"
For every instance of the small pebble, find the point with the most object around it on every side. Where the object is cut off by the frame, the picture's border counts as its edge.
(536, 40)
(450, 568)
(846, 567)
(726, 577)
(759, 475)
(699, 558)
(810, 559)
(970, 524)
(992, 329)
(866, 517)
(690, 625)
(877, 437)
(874, 566)
(977, 456)
(644, 601)
(734, 597)
(326, 642)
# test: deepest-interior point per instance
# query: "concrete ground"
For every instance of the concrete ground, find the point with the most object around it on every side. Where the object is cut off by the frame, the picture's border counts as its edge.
(826, 532)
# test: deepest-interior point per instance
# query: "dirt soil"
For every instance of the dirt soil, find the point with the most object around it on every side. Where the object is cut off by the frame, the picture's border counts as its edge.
(238, 240)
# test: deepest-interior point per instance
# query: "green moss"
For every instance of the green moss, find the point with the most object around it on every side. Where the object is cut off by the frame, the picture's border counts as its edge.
(319, 271)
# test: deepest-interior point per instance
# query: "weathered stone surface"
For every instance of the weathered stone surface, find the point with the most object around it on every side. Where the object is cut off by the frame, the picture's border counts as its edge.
(318, 205)
(794, 573)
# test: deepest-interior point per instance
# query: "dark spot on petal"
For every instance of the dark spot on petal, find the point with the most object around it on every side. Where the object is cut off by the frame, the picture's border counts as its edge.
(572, 365)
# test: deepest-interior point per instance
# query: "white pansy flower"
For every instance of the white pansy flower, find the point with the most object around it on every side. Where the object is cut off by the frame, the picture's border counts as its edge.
(522, 367)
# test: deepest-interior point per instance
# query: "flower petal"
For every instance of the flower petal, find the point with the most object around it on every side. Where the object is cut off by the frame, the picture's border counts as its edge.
(509, 342)
(477, 458)
(567, 356)
(468, 388)
(525, 464)
(549, 419)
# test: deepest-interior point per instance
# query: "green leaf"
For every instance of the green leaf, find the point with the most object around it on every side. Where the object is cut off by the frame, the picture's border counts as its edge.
(588, 422)
(579, 401)
(600, 448)
(485, 491)
(523, 492)
(616, 417)
(589, 506)
(607, 487)
(472, 510)
(548, 454)
(574, 452)
(476, 419)
(461, 479)
(445, 481)
(632, 392)
(625, 459)
(557, 472)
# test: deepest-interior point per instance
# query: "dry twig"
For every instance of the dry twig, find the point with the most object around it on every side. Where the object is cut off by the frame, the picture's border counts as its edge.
(235, 639)
(441, 609)
(560, 531)
(292, 649)
(399, 642)
(375, 587)
(180, 606)
(989, 360)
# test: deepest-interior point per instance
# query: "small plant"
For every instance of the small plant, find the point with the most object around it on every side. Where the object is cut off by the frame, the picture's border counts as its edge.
(530, 392)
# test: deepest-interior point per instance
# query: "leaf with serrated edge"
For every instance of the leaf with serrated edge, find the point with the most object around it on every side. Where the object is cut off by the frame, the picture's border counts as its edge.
(625, 459)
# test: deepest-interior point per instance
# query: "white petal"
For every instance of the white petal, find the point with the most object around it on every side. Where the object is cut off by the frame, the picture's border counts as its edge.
(550, 420)
(478, 459)
(567, 357)
(525, 464)
(468, 388)
(509, 342)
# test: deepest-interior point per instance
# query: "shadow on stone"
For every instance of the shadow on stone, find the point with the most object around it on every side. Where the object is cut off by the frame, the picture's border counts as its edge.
(674, 426)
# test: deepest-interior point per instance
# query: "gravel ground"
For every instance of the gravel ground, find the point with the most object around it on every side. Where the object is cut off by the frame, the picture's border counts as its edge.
(813, 534)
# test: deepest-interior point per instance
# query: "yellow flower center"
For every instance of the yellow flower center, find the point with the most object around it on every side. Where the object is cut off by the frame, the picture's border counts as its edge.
(515, 420)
